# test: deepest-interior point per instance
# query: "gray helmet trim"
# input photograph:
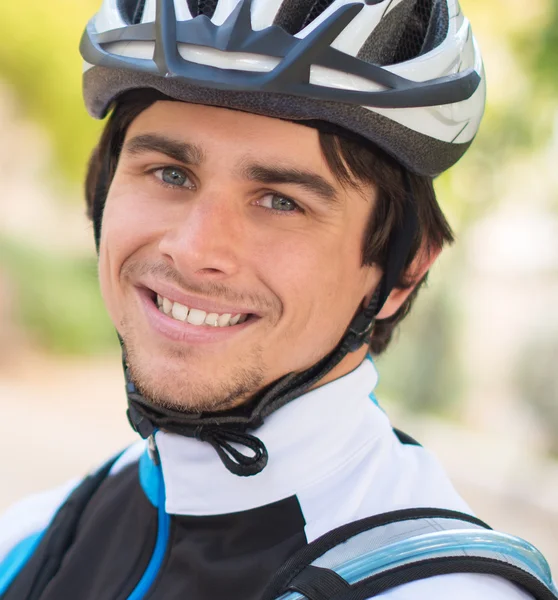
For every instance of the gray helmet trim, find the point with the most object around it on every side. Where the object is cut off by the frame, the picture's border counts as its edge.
(290, 77)
(418, 152)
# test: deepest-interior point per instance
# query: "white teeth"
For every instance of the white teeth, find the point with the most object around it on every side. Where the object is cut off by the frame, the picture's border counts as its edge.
(167, 306)
(179, 311)
(196, 317)
(212, 319)
(224, 320)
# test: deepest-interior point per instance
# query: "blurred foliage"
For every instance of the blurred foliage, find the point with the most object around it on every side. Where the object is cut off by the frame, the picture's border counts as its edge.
(57, 298)
(39, 57)
(536, 380)
(420, 367)
(542, 51)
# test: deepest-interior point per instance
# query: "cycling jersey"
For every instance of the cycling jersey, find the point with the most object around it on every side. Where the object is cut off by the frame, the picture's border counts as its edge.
(175, 524)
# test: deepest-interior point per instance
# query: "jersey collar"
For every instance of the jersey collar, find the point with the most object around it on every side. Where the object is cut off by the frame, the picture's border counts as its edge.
(307, 439)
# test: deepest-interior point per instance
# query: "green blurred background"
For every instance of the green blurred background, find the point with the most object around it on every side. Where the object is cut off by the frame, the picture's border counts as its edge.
(473, 369)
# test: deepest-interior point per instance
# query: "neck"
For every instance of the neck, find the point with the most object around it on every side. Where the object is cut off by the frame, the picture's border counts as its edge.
(348, 364)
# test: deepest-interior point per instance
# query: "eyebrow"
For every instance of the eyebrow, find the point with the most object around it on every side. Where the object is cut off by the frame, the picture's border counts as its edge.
(189, 154)
(278, 175)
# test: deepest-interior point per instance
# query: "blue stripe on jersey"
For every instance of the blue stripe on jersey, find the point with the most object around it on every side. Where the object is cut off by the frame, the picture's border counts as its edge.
(154, 487)
(149, 478)
(372, 395)
(16, 559)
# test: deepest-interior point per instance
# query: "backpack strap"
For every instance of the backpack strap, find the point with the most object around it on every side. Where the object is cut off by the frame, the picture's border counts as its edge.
(45, 561)
(369, 557)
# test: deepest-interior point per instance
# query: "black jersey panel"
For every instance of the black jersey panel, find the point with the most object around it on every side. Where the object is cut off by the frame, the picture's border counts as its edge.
(113, 544)
(230, 557)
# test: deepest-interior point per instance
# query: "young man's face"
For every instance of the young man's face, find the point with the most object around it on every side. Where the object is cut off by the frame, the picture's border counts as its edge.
(228, 213)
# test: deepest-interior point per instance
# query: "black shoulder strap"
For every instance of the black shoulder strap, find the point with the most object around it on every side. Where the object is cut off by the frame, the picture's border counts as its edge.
(369, 557)
(44, 563)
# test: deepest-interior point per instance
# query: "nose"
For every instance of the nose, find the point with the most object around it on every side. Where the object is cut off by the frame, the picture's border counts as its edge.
(206, 240)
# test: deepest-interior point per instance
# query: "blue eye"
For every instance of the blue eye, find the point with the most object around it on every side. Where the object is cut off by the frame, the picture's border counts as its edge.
(279, 203)
(173, 176)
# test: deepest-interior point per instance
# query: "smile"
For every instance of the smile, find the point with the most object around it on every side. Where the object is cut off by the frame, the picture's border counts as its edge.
(188, 319)
(195, 316)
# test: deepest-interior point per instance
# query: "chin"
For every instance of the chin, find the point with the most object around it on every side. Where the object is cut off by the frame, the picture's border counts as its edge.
(195, 390)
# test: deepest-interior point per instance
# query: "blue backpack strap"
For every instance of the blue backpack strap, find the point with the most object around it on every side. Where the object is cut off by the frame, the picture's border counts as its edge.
(31, 580)
(368, 557)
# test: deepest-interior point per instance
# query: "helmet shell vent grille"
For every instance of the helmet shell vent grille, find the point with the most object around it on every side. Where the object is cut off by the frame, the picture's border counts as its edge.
(131, 10)
(295, 15)
(409, 30)
(202, 7)
(318, 8)
(425, 29)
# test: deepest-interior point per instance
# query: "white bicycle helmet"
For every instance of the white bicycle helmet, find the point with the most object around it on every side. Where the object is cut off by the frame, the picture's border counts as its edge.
(405, 74)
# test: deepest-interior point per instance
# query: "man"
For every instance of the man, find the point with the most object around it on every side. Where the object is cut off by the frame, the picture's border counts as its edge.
(264, 214)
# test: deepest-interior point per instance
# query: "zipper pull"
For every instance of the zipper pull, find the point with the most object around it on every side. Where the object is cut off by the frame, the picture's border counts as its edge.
(152, 450)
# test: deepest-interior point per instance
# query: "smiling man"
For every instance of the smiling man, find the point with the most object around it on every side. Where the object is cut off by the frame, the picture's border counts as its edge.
(210, 237)
(264, 214)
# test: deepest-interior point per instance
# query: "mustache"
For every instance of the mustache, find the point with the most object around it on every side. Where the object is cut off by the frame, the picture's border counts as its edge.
(134, 270)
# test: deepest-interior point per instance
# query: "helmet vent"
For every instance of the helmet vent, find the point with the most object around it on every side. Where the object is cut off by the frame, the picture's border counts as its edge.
(412, 28)
(421, 23)
(202, 7)
(294, 15)
(438, 27)
(131, 10)
(318, 8)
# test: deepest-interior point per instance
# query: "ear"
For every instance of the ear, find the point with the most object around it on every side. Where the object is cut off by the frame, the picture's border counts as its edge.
(417, 270)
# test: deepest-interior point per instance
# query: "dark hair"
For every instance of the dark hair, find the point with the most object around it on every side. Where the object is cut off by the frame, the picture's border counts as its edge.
(351, 159)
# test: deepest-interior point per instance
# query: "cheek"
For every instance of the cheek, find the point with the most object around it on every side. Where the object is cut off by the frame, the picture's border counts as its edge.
(111, 247)
(342, 281)
(126, 228)
(313, 275)
(128, 218)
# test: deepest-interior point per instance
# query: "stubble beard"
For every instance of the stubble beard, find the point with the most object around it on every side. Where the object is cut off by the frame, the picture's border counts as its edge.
(172, 390)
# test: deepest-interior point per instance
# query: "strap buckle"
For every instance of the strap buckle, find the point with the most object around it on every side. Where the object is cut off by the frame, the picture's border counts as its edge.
(359, 331)
(139, 423)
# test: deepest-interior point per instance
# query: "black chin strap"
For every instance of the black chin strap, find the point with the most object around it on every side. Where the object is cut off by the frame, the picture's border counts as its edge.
(222, 429)
(230, 427)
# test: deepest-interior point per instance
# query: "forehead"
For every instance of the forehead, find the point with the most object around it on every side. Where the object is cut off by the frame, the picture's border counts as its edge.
(233, 136)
